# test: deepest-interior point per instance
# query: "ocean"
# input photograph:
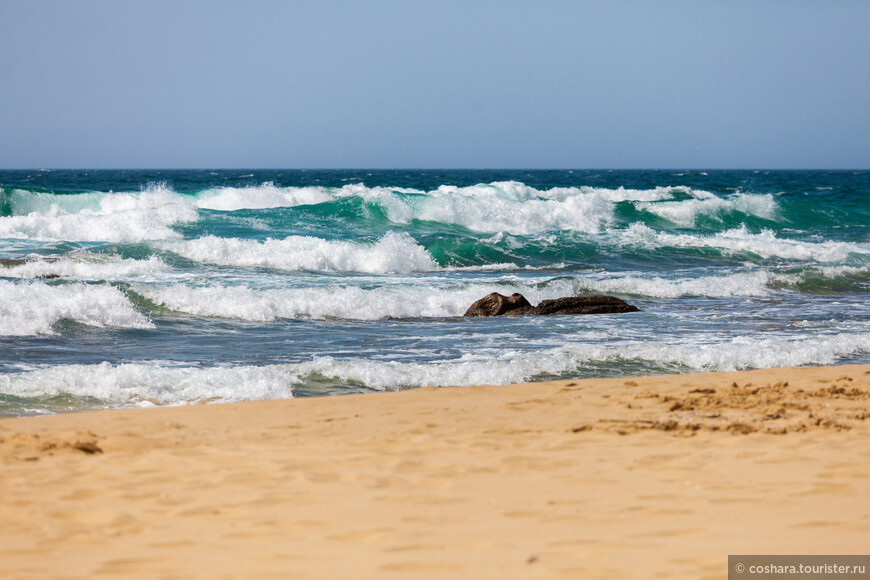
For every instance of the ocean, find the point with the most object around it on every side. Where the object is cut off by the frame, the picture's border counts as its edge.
(147, 287)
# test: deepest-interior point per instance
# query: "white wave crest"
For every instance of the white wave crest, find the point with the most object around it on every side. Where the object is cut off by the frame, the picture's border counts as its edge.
(137, 383)
(98, 217)
(514, 366)
(510, 207)
(751, 352)
(754, 283)
(88, 267)
(267, 195)
(324, 302)
(764, 244)
(686, 212)
(33, 308)
(496, 207)
(431, 300)
(435, 299)
(503, 207)
(516, 208)
(393, 253)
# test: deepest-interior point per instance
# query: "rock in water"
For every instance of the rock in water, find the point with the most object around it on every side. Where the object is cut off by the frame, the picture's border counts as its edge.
(584, 305)
(496, 304)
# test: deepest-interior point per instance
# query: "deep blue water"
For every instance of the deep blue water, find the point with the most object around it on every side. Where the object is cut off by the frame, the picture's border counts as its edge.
(123, 288)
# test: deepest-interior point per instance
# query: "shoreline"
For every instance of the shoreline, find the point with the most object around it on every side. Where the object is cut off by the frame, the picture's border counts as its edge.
(625, 477)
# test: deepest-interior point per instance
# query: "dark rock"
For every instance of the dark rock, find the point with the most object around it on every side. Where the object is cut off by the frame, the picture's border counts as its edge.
(584, 305)
(496, 304)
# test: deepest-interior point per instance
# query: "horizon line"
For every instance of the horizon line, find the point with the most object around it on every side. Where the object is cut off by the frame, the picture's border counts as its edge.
(700, 169)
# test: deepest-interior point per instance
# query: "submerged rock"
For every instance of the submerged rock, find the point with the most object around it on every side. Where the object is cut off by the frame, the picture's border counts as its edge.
(496, 304)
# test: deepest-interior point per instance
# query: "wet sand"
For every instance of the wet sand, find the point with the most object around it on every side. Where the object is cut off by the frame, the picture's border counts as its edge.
(601, 478)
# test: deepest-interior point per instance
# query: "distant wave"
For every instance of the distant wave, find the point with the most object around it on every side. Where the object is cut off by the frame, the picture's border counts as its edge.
(96, 217)
(508, 207)
(264, 196)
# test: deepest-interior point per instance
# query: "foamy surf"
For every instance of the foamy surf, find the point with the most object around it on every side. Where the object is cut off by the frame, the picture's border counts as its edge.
(686, 213)
(570, 360)
(264, 196)
(89, 267)
(253, 284)
(391, 254)
(97, 217)
(765, 244)
(510, 207)
(155, 383)
(33, 308)
(445, 298)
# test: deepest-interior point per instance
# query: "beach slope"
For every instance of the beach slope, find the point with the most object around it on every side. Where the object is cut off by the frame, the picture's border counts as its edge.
(601, 478)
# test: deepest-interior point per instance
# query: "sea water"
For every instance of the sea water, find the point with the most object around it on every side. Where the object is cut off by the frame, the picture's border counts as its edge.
(139, 288)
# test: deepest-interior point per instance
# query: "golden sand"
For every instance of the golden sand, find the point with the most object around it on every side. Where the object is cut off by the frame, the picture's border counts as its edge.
(602, 478)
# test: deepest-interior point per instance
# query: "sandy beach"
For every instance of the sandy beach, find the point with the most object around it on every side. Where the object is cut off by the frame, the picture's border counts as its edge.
(600, 478)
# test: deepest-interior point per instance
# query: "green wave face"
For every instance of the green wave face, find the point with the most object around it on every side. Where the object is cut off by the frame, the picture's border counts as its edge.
(476, 225)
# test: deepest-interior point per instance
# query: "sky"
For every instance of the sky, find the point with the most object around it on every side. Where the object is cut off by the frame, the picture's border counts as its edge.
(435, 84)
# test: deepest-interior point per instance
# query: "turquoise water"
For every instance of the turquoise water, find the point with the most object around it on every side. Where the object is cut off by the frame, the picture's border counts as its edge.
(136, 288)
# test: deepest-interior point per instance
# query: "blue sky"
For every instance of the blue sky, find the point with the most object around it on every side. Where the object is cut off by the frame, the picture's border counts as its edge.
(382, 84)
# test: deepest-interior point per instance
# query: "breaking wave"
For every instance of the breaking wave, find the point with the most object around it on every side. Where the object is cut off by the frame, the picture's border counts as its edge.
(765, 244)
(137, 383)
(392, 254)
(510, 207)
(434, 299)
(88, 267)
(33, 308)
(151, 383)
(96, 217)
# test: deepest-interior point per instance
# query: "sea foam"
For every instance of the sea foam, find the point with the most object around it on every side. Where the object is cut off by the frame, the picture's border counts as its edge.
(97, 217)
(32, 308)
(264, 196)
(685, 213)
(764, 244)
(393, 253)
(517, 366)
(89, 267)
(753, 283)
(433, 299)
(135, 383)
(319, 302)
(510, 207)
